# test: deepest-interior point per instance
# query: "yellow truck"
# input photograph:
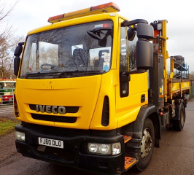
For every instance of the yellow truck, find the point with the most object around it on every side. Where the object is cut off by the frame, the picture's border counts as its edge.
(93, 92)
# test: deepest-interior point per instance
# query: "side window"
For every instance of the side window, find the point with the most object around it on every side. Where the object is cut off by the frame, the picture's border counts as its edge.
(127, 52)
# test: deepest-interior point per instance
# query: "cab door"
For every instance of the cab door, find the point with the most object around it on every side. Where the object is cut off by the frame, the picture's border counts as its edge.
(132, 89)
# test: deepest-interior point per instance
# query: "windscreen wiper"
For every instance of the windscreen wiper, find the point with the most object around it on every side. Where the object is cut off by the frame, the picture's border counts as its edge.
(79, 73)
(39, 74)
(63, 74)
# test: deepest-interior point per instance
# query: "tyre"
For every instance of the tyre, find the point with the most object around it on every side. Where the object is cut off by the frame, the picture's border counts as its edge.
(147, 146)
(179, 124)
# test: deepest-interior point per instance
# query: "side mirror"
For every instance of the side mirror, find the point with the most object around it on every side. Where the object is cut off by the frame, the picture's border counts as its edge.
(18, 49)
(145, 31)
(16, 65)
(144, 49)
(144, 53)
(17, 54)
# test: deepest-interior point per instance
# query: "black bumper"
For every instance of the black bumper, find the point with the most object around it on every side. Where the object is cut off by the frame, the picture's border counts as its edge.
(74, 153)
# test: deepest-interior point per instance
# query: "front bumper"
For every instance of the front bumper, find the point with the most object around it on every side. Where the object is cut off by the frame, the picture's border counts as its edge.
(75, 152)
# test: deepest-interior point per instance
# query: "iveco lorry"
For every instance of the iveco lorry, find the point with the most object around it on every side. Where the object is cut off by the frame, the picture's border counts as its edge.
(93, 91)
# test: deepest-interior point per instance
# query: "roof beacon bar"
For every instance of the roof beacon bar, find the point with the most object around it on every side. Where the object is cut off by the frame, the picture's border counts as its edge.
(108, 7)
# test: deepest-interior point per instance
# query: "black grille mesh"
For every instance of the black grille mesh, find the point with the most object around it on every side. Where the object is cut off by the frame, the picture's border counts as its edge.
(54, 118)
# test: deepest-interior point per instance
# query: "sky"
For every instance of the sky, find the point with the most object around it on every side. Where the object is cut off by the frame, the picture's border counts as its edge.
(31, 14)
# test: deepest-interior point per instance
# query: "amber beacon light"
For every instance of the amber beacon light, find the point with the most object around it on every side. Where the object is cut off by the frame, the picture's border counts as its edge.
(107, 8)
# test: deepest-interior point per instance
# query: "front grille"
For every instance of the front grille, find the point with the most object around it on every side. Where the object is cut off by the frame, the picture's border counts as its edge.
(69, 109)
(54, 118)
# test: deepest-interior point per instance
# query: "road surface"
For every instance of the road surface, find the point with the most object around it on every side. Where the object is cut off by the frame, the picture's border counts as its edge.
(6, 111)
(174, 157)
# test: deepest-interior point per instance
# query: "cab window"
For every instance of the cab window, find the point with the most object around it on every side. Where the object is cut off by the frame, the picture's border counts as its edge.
(127, 52)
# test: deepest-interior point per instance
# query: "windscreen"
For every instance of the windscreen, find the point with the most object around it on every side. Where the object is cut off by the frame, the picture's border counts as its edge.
(79, 50)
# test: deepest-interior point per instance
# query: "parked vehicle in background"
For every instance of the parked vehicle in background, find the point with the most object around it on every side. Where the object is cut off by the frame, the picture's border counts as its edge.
(6, 91)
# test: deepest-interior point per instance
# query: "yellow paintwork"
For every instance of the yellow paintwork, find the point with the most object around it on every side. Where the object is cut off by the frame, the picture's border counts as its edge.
(108, 84)
(85, 92)
(128, 108)
(165, 55)
(171, 68)
(81, 92)
(177, 87)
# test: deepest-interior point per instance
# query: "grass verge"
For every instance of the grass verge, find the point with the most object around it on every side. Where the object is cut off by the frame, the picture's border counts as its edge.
(7, 126)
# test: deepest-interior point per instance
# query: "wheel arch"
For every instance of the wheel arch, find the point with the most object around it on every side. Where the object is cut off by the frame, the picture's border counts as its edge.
(154, 117)
(135, 128)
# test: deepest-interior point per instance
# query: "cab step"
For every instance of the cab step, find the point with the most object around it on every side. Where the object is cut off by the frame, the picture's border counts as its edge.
(126, 138)
(129, 162)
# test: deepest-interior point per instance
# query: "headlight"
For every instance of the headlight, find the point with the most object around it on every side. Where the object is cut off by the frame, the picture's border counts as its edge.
(116, 148)
(93, 148)
(105, 149)
(20, 136)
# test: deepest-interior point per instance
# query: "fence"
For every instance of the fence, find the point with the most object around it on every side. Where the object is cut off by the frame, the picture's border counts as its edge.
(192, 89)
(6, 96)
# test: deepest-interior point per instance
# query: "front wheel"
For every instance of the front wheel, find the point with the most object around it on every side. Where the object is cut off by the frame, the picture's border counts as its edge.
(147, 145)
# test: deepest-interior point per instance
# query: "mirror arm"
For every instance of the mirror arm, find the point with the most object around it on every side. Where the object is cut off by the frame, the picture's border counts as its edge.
(130, 23)
(18, 49)
(21, 44)
(93, 33)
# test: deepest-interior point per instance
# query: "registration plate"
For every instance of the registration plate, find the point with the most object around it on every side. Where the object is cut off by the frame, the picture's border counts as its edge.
(50, 142)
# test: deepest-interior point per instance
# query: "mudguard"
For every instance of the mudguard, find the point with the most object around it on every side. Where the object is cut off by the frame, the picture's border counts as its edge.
(135, 128)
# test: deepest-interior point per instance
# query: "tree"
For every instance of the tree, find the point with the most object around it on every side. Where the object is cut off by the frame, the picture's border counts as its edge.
(4, 13)
(6, 43)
